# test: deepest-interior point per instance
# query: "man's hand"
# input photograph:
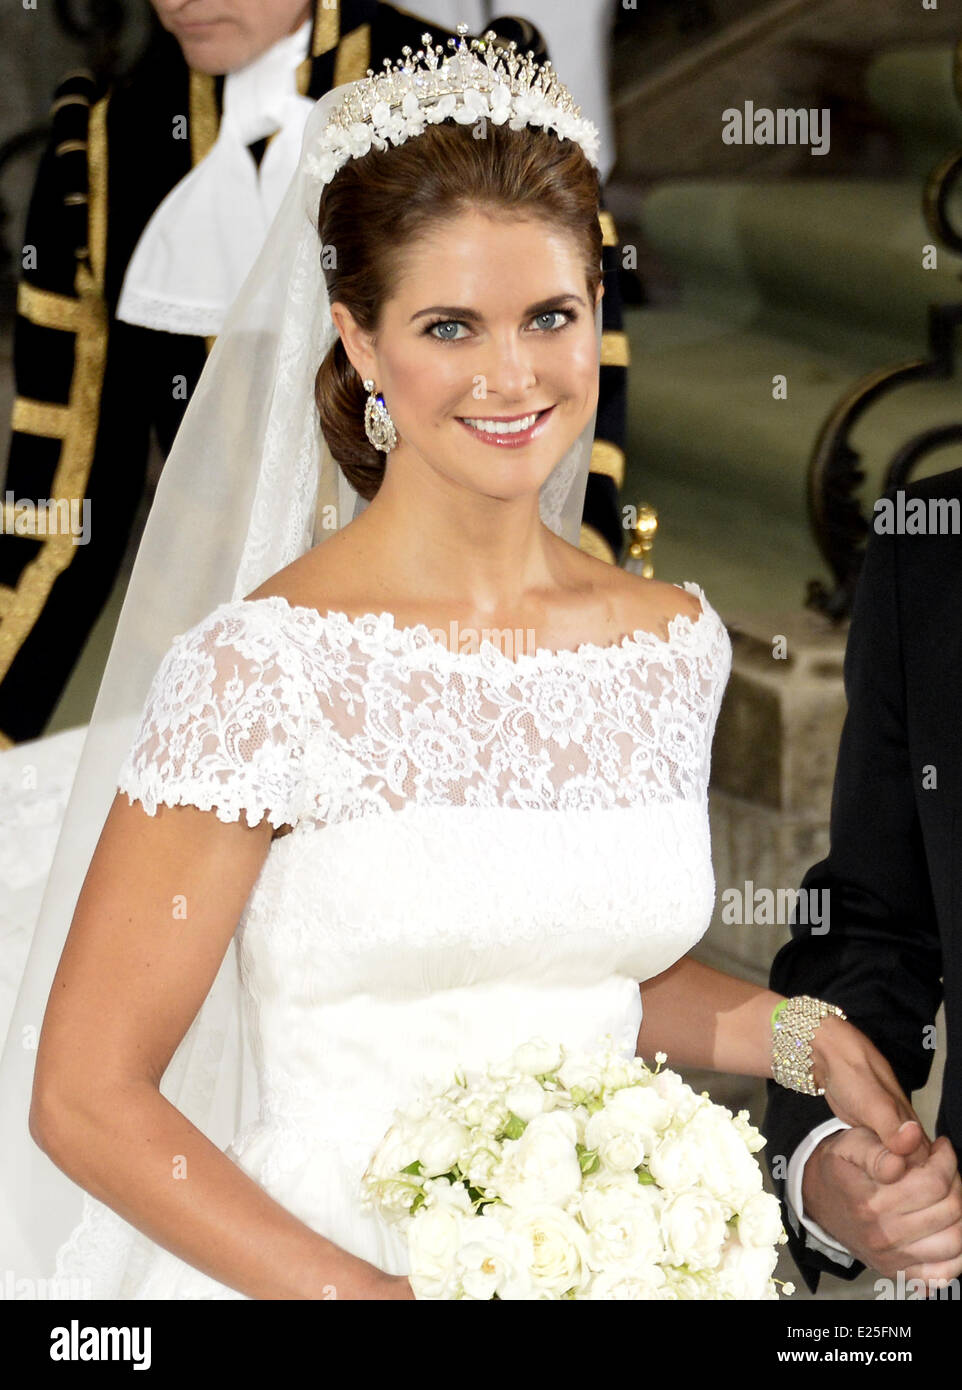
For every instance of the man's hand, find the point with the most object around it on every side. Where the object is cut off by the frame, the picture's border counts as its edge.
(896, 1206)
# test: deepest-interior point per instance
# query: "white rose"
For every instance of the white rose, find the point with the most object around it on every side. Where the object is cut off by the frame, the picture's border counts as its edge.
(746, 1271)
(440, 1142)
(536, 1057)
(434, 1238)
(581, 1072)
(623, 1284)
(556, 1249)
(526, 1099)
(642, 1110)
(678, 1094)
(731, 1173)
(760, 1220)
(677, 1162)
(396, 1151)
(493, 1260)
(541, 1166)
(623, 1227)
(694, 1230)
(440, 1192)
(619, 1073)
(685, 1286)
(618, 1149)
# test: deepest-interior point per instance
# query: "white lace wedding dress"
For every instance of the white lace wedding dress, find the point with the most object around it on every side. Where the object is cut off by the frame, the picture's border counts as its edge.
(483, 850)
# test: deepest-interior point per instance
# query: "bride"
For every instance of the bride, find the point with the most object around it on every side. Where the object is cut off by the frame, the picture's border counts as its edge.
(400, 796)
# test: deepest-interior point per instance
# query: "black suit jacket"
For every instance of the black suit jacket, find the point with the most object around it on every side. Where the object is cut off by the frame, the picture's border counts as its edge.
(894, 869)
(91, 390)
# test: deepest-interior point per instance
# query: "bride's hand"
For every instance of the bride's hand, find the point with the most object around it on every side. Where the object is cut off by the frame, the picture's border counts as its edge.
(861, 1087)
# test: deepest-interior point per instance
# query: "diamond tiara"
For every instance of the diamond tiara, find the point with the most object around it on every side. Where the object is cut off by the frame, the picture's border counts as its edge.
(477, 82)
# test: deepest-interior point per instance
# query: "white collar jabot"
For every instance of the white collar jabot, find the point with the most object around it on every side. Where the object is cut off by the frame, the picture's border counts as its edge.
(195, 252)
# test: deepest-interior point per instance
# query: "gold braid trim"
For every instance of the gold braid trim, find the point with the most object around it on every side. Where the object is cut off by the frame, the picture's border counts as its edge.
(97, 216)
(327, 27)
(608, 459)
(40, 417)
(614, 349)
(76, 423)
(353, 55)
(204, 118)
(609, 235)
(49, 310)
(593, 543)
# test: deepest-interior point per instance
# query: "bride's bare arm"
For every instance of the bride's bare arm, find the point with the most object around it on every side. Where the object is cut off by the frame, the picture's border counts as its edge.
(160, 903)
(702, 1017)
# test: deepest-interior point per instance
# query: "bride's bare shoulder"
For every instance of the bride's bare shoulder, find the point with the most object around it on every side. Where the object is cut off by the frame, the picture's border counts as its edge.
(637, 603)
(323, 578)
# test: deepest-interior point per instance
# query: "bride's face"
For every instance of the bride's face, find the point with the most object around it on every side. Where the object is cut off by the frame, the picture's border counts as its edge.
(490, 321)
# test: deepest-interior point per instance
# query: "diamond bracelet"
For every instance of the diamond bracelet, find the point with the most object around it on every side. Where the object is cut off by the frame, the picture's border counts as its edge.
(794, 1022)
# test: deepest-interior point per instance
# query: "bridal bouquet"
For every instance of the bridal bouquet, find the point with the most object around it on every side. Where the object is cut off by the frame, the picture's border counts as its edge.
(563, 1175)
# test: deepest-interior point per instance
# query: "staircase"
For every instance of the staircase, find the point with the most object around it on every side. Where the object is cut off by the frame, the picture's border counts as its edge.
(816, 276)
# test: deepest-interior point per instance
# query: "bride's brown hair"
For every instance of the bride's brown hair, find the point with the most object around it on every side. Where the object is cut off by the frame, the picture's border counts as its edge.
(378, 204)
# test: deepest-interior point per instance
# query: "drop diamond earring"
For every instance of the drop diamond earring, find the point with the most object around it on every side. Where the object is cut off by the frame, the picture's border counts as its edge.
(378, 425)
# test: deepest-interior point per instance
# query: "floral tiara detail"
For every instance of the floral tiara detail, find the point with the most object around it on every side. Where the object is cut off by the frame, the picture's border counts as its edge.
(476, 82)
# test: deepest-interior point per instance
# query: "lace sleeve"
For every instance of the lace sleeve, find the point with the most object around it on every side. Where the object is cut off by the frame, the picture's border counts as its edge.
(222, 727)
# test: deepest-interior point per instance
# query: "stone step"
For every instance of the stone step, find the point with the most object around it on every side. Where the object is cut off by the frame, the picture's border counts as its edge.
(834, 258)
(726, 465)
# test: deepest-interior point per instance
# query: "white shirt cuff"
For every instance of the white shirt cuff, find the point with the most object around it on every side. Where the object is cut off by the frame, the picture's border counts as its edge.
(815, 1238)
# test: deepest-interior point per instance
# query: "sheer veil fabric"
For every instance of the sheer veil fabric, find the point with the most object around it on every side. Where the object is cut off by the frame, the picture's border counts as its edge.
(249, 485)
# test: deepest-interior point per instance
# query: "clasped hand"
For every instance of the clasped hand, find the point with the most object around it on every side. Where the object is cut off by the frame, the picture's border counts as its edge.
(882, 1188)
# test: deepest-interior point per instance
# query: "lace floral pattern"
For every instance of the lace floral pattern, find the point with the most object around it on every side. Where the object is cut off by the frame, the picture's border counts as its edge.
(271, 710)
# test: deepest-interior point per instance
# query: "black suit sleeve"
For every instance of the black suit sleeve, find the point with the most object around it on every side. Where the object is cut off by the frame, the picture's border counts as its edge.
(880, 959)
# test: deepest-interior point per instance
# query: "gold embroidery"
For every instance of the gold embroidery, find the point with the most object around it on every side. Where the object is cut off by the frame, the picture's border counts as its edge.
(39, 417)
(97, 185)
(204, 119)
(594, 544)
(49, 310)
(353, 55)
(609, 234)
(614, 349)
(327, 27)
(608, 459)
(75, 424)
(4, 741)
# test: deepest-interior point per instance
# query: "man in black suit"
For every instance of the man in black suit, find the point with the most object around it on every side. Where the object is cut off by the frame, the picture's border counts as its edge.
(894, 947)
(92, 388)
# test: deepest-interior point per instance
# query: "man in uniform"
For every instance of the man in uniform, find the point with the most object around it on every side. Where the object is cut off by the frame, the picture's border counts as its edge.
(91, 388)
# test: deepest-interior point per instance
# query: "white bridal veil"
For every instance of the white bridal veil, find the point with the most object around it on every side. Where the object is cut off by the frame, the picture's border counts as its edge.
(249, 485)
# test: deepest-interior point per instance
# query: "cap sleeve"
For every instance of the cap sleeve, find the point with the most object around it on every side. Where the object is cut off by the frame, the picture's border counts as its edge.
(223, 725)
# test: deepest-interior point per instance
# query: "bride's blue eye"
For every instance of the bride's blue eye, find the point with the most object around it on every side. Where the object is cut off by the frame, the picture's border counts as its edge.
(569, 317)
(569, 314)
(444, 323)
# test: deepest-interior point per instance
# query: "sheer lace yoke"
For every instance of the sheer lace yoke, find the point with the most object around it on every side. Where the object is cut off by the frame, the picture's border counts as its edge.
(270, 709)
